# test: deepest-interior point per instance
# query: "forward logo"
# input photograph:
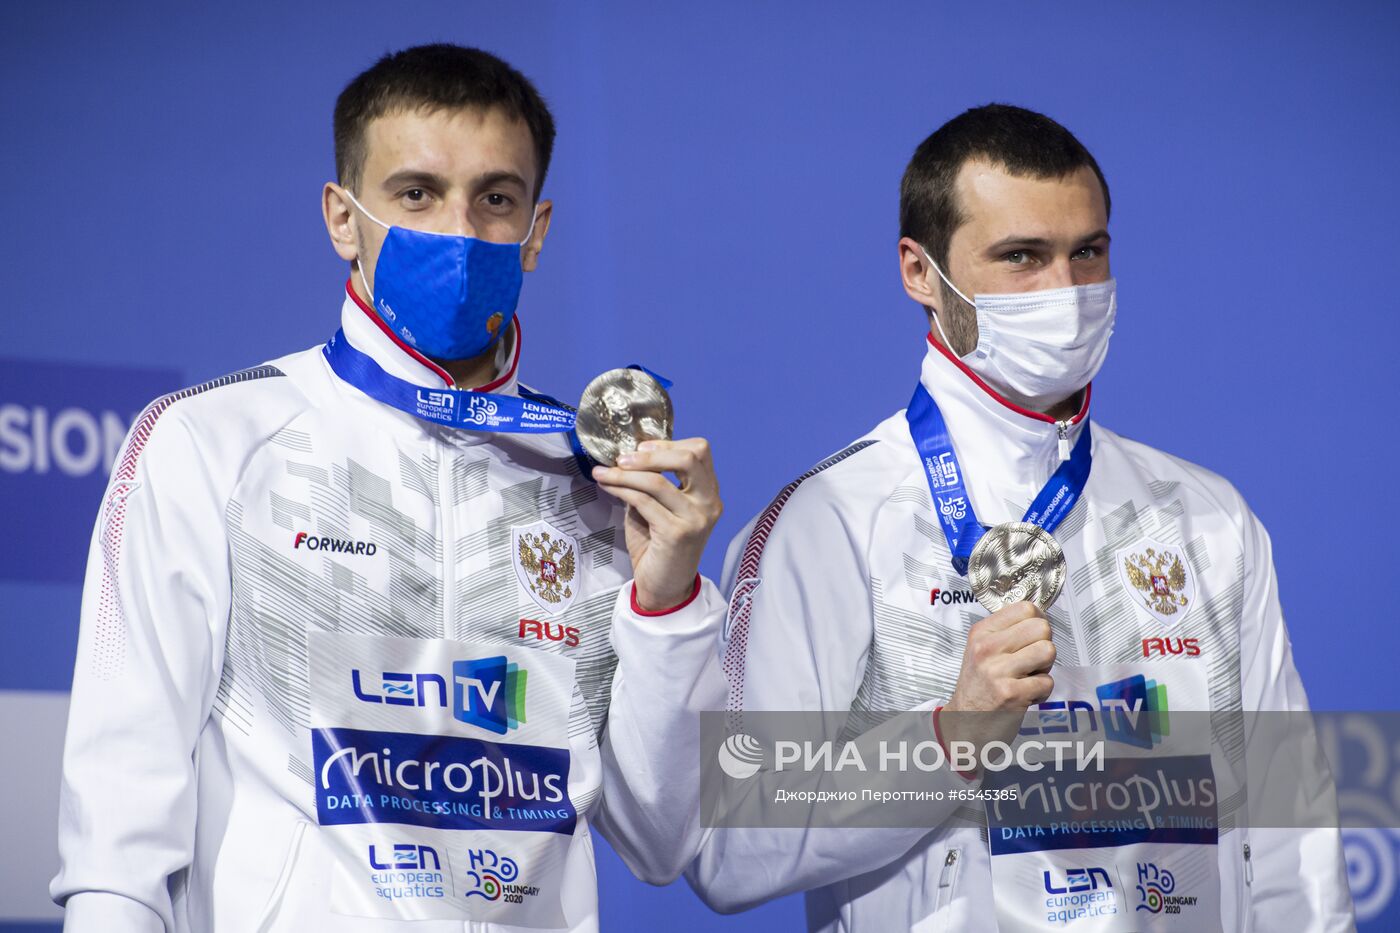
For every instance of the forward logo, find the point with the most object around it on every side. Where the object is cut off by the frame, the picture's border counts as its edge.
(333, 545)
(946, 597)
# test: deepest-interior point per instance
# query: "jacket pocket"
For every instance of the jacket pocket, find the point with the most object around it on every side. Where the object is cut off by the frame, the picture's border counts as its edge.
(284, 877)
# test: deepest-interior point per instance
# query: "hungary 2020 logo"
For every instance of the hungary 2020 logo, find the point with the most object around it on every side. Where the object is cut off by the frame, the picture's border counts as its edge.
(1154, 884)
(488, 873)
(495, 877)
(1156, 889)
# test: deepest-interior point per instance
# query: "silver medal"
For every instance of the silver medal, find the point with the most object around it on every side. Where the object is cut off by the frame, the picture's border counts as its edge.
(1015, 562)
(620, 409)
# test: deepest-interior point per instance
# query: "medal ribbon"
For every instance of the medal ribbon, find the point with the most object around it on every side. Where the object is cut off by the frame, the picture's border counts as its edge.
(476, 411)
(950, 498)
(530, 413)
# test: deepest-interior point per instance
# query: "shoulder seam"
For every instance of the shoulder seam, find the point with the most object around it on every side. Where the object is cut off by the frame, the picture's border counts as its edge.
(141, 431)
(758, 537)
(734, 661)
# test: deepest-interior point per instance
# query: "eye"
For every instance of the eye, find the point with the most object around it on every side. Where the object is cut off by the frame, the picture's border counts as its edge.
(498, 203)
(1017, 257)
(1087, 252)
(415, 198)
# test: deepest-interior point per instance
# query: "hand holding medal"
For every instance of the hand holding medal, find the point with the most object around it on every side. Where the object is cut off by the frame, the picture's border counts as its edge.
(1016, 571)
(1005, 669)
(624, 422)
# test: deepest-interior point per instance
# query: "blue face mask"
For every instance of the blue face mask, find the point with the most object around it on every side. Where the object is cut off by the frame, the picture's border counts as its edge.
(447, 296)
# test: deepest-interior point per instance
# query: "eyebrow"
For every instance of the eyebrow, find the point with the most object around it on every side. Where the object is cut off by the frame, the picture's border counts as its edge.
(498, 178)
(412, 176)
(1041, 242)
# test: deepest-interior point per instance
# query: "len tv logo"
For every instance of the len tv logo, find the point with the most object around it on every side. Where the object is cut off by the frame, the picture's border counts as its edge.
(1135, 711)
(488, 693)
(1132, 711)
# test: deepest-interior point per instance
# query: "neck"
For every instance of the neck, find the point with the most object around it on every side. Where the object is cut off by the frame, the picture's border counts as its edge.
(1068, 408)
(477, 371)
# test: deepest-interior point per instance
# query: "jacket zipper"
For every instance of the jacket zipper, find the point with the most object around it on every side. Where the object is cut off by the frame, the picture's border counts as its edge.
(1248, 867)
(449, 546)
(945, 879)
(1062, 431)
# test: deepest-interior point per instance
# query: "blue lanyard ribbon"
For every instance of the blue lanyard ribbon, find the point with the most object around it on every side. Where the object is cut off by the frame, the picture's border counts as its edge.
(950, 498)
(530, 413)
(475, 411)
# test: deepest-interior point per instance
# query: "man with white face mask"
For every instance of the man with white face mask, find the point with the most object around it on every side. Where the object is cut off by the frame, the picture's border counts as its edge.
(1116, 574)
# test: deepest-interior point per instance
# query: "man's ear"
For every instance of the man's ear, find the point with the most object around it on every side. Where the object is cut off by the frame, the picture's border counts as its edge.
(340, 222)
(530, 252)
(917, 273)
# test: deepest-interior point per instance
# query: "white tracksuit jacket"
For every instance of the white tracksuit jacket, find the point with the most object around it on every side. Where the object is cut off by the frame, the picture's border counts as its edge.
(843, 597)
(293, 586)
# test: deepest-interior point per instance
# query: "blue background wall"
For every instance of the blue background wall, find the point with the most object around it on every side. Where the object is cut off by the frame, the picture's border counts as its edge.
(726, 189)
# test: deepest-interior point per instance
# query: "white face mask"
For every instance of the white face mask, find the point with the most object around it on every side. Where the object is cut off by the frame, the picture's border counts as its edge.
(1039, 348)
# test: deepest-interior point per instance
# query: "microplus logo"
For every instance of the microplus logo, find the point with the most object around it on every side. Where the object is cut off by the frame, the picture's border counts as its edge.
(333, 545)
(488, 693)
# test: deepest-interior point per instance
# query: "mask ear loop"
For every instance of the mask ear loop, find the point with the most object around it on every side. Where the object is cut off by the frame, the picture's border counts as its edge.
(936, 314)
(360, 266)
(531, 232)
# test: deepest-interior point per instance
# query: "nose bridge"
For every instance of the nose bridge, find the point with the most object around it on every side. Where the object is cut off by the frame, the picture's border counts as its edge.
(460, 208)
(1061, 272)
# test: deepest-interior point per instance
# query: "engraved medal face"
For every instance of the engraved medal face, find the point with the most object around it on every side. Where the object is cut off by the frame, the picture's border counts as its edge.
(1015, 562)
(620, 409)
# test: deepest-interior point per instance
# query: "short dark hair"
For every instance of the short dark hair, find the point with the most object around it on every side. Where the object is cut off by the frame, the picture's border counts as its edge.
(1020, 141)
(436, 77)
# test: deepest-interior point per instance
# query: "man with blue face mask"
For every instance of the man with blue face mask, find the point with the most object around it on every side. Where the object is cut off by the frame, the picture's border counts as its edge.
(366, 639)
(1005, 568)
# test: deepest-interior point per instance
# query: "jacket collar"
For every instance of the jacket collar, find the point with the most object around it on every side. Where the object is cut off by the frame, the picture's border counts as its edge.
(1007, 453)
(368, 333)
